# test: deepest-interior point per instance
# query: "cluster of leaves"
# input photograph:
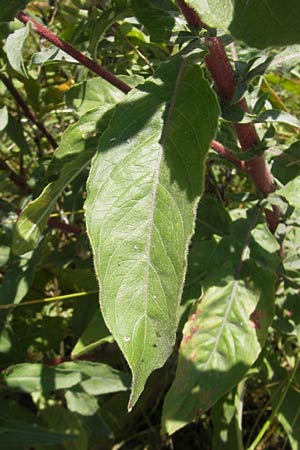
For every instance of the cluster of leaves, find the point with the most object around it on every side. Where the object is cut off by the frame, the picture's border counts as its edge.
(192, 281)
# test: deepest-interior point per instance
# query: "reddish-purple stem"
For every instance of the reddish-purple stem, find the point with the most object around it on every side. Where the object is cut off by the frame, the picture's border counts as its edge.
(226, 153)
(27, 110)
(223, 75)
(80, 57)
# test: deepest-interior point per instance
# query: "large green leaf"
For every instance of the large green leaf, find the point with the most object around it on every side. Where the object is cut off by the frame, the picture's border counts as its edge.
(234, 314)
(143, 188)
(260, 23)
(10, 9)
(77, 147)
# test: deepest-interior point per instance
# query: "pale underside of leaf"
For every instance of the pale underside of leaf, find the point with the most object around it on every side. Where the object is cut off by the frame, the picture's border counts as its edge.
(143, 188)
(221, 340)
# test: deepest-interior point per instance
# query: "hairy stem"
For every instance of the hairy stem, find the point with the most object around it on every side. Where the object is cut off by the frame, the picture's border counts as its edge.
(223, 75)
(27, 110)
(80, 57)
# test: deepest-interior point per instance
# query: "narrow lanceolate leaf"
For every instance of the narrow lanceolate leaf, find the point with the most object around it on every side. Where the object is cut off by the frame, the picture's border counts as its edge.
(259, 23)
(143, 188)
(224, 336)
(75, 152)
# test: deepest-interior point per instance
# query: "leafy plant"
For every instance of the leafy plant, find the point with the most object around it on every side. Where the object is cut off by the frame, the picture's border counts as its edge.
(149, 157)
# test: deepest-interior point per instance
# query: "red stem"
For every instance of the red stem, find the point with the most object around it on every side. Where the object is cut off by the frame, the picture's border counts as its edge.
(80, 57)
(226, 153)
(223, 75)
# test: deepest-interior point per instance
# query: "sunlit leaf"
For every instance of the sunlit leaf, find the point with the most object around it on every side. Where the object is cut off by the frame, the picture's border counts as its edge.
(144, 185)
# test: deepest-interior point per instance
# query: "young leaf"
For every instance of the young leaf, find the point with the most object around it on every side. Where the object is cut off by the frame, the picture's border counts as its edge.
(144, 185)
(14, 46)
(224, 336)
(291, 192)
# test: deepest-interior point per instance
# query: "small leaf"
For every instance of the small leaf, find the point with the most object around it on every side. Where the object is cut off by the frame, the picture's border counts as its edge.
(3, 118)
(273, 116)
(51, 55)
(286, 166)
(96, 93)
(14, 46)
(95, 334)
(291, 192)
(157, 16)
(144, 185)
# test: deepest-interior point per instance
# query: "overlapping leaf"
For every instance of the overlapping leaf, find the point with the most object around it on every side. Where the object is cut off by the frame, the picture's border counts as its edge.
(259, 23)
(144, 185)
(77, 147)
(224, 336)
(10, 9)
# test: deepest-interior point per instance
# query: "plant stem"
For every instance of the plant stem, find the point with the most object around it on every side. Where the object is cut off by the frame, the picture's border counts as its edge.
(80, 57)
(226, 153)
(27, 110)
(14, 177)
(222, 73)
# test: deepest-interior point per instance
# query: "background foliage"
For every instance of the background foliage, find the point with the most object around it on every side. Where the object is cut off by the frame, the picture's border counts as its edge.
(102, 187)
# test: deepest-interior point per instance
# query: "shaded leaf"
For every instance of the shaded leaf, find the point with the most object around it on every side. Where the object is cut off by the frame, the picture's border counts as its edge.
(95, 334)
(258, 23)
(77, 147)
(96, 93)
(59, 419)
(18, 435)
(157, 16)
(10, 9)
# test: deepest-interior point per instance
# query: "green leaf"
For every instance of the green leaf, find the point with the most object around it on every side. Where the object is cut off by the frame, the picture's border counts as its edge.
(59, 419)
(14, 46)
(19, 277)
(99, 27)
(3, 118)
(38, 377)
(10, 9)
(157, 16)
(17, 434)
(234, 313)
(99, 379)
(95, 334)
(273, 116)
(286, 166)
(258, 23)
(96, 93)
(291, 192)
(74, 154)
(81, 403)
(51, 55)
(144, 185)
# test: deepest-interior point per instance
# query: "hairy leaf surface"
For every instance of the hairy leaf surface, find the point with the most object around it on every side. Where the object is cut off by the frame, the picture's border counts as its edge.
(224, 336)
(143, 188)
